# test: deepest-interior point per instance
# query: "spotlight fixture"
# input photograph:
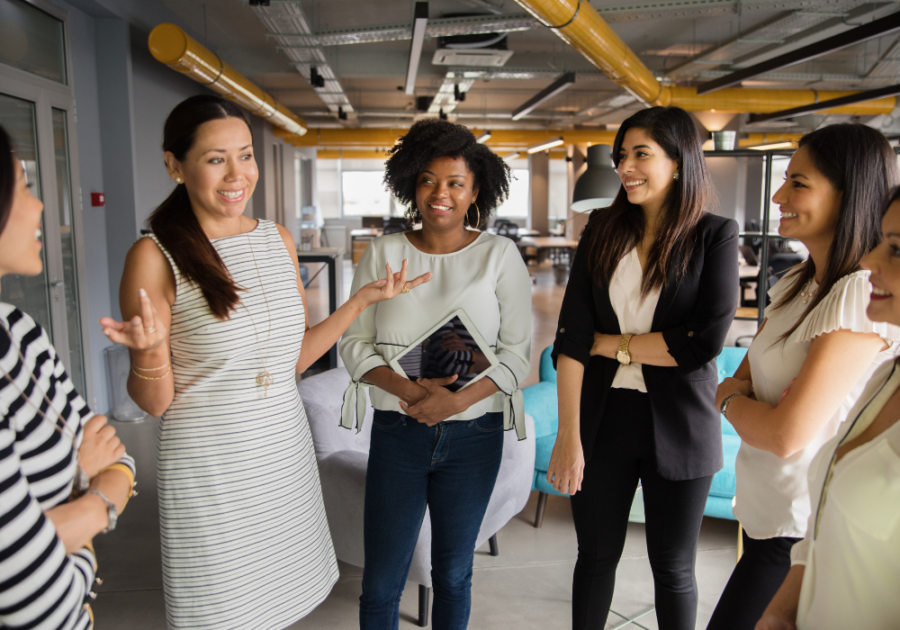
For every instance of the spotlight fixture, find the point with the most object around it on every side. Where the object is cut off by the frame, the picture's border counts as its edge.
(563, 82)
(543, 146)
(420, 22)
(458, 94)
(483, 137)
(342, 115)
(442, 115)
(259, 3)
(315, 79)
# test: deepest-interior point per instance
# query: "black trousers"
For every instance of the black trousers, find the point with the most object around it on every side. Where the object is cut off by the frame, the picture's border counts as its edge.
(753, 583)
(624, 453)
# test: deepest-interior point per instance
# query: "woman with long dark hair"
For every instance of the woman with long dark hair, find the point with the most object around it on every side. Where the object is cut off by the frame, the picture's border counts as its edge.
(845, 572)
(64, 475)
(811, 358)
(215, 323)
(652, 293)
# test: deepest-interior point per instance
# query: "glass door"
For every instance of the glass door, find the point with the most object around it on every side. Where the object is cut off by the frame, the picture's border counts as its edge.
(41, 137)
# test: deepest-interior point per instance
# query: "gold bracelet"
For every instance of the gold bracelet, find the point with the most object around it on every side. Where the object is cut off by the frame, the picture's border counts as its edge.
(150, 378)
(137, 367)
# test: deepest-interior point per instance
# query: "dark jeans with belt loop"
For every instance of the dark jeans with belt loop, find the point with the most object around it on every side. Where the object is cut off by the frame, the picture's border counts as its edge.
(451, 468)
(623, 453)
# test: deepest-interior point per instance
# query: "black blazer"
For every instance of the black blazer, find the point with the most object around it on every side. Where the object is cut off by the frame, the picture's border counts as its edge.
(694, 316)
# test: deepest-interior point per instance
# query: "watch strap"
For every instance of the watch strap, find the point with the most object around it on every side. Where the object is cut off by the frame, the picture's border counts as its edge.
(724, 408)
(111, 512)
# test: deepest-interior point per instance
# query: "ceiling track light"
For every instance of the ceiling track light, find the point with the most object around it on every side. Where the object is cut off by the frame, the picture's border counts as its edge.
(420, 22)
(315, 79)
(483, 137)
(342, 115)
(562, 83)
(546, 145)
(442, 115)
(458, 94)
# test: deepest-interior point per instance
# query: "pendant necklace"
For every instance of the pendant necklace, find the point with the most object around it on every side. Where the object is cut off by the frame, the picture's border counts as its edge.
(807, 292)
(264, 379)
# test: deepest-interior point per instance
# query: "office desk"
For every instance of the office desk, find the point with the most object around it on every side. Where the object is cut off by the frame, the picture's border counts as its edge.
(552, 245)
(332, 257)
(360, 239)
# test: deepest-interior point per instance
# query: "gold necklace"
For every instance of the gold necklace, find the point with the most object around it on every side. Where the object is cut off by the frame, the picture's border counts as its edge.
(264, 379)
(81, 481)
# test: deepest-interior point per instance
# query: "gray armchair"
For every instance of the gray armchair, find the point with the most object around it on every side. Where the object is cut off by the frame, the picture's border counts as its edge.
(343, 457)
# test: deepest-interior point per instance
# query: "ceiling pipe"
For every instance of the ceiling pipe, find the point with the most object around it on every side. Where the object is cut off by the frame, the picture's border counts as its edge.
(386, 137)
(578, 24)
(170, 45)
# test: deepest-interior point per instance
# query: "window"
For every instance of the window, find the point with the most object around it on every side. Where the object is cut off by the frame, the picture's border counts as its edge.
(516, 206)
(32, 40)
(364, 194)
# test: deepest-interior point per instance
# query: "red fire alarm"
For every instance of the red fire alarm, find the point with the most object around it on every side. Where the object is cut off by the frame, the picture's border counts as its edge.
(98, 199)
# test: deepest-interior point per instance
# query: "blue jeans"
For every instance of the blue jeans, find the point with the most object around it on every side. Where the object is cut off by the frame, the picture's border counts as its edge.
(450, 467)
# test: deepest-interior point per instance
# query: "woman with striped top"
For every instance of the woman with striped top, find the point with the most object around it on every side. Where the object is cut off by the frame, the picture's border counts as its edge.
(216, 327)
(64, 475)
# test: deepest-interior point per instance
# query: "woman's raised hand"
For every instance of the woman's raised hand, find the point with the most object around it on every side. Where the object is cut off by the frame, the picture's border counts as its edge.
(100, 447)
(392, 285)
(143, 332)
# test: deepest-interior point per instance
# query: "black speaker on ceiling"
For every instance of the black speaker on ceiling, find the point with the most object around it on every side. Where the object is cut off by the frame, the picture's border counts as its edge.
(423, 103)
(315, 79)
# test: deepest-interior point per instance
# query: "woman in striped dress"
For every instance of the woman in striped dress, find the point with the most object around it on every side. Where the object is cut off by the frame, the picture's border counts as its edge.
(50, 445)
(216, 329)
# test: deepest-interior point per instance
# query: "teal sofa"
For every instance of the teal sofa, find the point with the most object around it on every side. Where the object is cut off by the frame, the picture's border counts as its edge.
(541, 405)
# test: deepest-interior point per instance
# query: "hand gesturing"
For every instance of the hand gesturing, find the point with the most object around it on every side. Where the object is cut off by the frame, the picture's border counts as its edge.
(392, 285)
(144, 332)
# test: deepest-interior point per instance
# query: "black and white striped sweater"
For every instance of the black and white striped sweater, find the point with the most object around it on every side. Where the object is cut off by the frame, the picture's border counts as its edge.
(41, 587)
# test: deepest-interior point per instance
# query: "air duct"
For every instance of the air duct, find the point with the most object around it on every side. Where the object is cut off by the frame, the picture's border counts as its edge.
(579, 25)
(170, 45)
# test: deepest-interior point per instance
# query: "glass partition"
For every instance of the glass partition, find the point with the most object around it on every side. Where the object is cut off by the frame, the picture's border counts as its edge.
(32, 40)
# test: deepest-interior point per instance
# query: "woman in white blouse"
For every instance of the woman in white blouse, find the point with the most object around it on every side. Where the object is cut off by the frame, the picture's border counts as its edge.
(432, 446)
(812, 356)
(846, 572)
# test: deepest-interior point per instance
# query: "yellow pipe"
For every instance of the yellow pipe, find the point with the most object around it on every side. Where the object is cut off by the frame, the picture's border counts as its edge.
(364, 154)
(589, 34)
(385, 138)
(181, 52)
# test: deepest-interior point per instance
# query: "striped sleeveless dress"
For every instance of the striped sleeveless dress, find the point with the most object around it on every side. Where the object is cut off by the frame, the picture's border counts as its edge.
(245, 540)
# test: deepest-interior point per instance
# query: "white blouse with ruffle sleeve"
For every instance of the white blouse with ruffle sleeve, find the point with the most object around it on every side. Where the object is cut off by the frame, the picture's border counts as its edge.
(772, 494)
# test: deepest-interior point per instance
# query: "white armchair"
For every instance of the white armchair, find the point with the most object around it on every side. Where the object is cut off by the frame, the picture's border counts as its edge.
(343, 456)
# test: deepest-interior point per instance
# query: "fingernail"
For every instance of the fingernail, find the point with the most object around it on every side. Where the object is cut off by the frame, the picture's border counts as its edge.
(106, 332)
(142, 293)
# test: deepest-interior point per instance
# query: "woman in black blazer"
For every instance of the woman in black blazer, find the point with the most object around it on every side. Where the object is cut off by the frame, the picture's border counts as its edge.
(652, 292)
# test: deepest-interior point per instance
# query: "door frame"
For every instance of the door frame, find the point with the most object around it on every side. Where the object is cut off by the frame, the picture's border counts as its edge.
(48, 95)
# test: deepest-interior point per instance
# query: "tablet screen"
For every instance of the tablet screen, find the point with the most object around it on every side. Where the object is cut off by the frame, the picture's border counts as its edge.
(447, 351)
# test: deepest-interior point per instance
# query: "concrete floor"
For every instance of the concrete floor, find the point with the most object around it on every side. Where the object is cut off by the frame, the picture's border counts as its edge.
(527, 586)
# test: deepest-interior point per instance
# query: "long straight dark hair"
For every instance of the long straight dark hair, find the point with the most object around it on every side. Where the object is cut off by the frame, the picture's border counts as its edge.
(619, 228)
(174, 222)
(7, 177)
(860, 164)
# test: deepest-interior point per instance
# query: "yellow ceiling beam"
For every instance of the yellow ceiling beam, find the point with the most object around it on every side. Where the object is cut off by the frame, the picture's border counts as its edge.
(170, 45)
(582, 27)
(385, 138)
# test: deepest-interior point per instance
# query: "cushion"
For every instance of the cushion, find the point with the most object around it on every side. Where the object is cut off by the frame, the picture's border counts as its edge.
(541, 404)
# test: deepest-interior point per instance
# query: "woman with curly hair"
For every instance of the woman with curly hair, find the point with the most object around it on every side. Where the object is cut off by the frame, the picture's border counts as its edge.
(433, 447)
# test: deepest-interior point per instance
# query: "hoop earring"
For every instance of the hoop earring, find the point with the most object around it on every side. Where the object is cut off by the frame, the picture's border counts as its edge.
(409, 215)
(478, 221)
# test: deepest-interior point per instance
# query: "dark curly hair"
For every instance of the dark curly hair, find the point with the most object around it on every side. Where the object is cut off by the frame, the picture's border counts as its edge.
(432, 138)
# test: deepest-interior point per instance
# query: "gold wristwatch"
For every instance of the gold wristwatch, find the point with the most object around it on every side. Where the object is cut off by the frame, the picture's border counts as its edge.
(623, 356)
